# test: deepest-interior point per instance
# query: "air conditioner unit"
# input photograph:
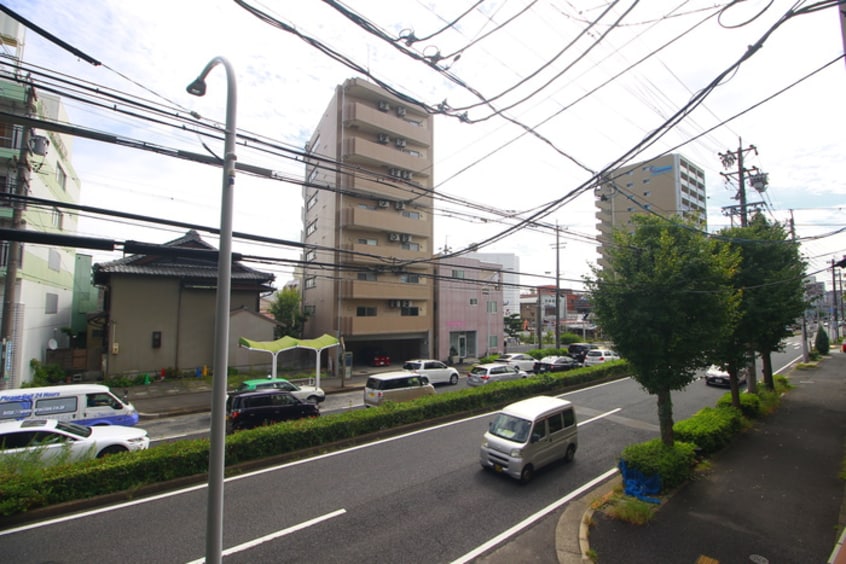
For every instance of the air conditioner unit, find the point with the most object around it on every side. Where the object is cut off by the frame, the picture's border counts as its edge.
(393, 303)
(399, 205)
(405, 238)
(400, 142)
(383, 138)
(384, 105)
(394, 172)
(393, 236)
(406, 174)
(405, 303)
(384, 203)
(400, 111)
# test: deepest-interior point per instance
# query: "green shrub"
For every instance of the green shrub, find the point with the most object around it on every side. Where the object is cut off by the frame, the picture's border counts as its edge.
(710, 429)
(673, 464)
(821, 342)
(46, 374)
(750, 404)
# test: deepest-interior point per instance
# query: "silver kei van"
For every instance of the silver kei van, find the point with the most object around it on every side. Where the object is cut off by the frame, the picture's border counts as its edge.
(529, 434)
(395, 386)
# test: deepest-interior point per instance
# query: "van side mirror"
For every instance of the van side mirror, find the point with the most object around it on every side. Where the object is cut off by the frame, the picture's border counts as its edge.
(535, 438)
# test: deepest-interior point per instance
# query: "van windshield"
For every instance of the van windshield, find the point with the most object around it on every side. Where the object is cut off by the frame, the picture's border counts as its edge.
(511, 428)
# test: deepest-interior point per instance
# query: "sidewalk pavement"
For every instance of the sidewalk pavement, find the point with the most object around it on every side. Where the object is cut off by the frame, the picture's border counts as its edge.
(774, 495)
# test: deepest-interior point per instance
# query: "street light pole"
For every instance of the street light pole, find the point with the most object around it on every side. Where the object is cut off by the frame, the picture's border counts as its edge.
(217, 452)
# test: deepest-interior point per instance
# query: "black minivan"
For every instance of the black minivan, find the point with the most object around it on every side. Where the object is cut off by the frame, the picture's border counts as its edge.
(245, 410)
(579, 350)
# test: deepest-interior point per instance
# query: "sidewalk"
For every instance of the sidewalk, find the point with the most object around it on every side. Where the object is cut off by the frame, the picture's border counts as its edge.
(772, 496)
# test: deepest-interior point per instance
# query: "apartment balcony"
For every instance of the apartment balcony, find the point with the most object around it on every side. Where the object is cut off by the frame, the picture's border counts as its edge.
(382, 324)
(384, 255)
(368, 117)
(387, 219)
(385, 290)
(395, 189)
(385, 157)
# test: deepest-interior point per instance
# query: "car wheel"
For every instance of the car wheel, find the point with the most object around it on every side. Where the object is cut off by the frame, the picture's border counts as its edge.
(114, 449)
(453, 379)
(571, 453)
(527, 474)
(313, 399)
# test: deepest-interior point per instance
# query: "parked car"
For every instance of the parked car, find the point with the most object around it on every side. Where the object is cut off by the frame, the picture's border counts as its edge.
(598, 356)
(523, 361)
(55, 441)
(716, 376)
(494, 372)
(246, 410)
(378, 358)
(395, 386)
(556, 364)
(579, 350)
(305, 393)
(436, 371)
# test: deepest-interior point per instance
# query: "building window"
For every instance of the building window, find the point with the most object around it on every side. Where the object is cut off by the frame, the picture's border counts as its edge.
(458, 274)
(410, 311)
(369, 276)
(311, 202)
(311, 282)
(474, 301)
(309, 309)
(365, 311)
(57, 219)
(51, 304)
(310, 255)
(54, 260)
(312, 175)
(492, 342)
(61, 177)
(491, 306)
(372, 242)
(411, 246)
(410, 278)
(312, 227)
(411, 214)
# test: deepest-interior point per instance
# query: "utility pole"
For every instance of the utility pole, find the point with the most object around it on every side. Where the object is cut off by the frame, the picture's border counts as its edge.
(806, 355)
(10, 295)
(758, 179)
(835, 332)
(557, 289)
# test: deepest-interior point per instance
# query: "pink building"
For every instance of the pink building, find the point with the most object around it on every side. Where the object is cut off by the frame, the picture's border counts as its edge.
(468, 309)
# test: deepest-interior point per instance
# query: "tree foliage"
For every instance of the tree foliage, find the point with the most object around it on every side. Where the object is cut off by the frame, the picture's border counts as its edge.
(288, 314)
(513, 324)
(667, 302)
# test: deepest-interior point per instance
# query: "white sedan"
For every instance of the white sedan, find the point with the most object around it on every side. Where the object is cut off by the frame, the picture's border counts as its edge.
(57, 442)
(523, 361)
(598, 356)
(435, 370)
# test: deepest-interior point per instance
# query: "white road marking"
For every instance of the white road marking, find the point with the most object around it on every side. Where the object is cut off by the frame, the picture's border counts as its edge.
(255, 542)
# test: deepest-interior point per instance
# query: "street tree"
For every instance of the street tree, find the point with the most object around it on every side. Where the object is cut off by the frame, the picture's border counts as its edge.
(288, 314)
(771, 281)
(666, 301)
(513, 324)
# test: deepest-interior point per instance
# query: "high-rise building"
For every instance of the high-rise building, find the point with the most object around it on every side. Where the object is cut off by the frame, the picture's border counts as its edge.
(38, 294)
(666, 186)
(367, 276)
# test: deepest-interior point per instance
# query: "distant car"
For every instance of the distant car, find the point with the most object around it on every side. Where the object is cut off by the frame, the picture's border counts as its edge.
(56, 442)
(494, 372)
(380, 358)
(247, 410)
(598, 356)
(579, 350)
(556, 364)
(436, 371)
(523, 361)
(305, 393)
(716, 376)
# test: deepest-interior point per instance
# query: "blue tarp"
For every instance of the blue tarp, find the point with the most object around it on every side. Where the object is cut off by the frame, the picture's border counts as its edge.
(639, 485)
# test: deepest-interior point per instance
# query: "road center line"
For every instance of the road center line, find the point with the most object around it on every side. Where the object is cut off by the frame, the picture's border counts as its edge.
(255, 542)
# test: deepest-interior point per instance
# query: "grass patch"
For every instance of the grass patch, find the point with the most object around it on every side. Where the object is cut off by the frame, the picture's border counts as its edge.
(631, 510)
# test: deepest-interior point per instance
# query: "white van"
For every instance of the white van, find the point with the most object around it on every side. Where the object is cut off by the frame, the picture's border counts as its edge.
(396, 386)
(86, 404)
(528, 435)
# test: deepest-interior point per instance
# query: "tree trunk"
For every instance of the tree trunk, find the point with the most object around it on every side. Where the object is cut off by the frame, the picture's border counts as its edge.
(768, 370)
(734, 385)
(665, 417)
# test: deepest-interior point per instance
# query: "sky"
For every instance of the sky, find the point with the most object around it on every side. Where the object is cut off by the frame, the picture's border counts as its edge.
(540, 95)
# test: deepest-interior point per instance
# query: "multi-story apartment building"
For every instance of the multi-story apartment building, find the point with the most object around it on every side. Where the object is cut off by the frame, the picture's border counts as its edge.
(367, 276)
(510, 265)
(37, 299)
(469, 309)
(668, 185)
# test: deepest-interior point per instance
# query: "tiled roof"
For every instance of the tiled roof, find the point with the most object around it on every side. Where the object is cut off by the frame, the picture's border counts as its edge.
(190, 266)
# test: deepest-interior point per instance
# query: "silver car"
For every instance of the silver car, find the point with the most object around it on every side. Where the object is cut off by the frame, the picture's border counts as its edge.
(523, 361)
(482, 374)
(436, 371)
